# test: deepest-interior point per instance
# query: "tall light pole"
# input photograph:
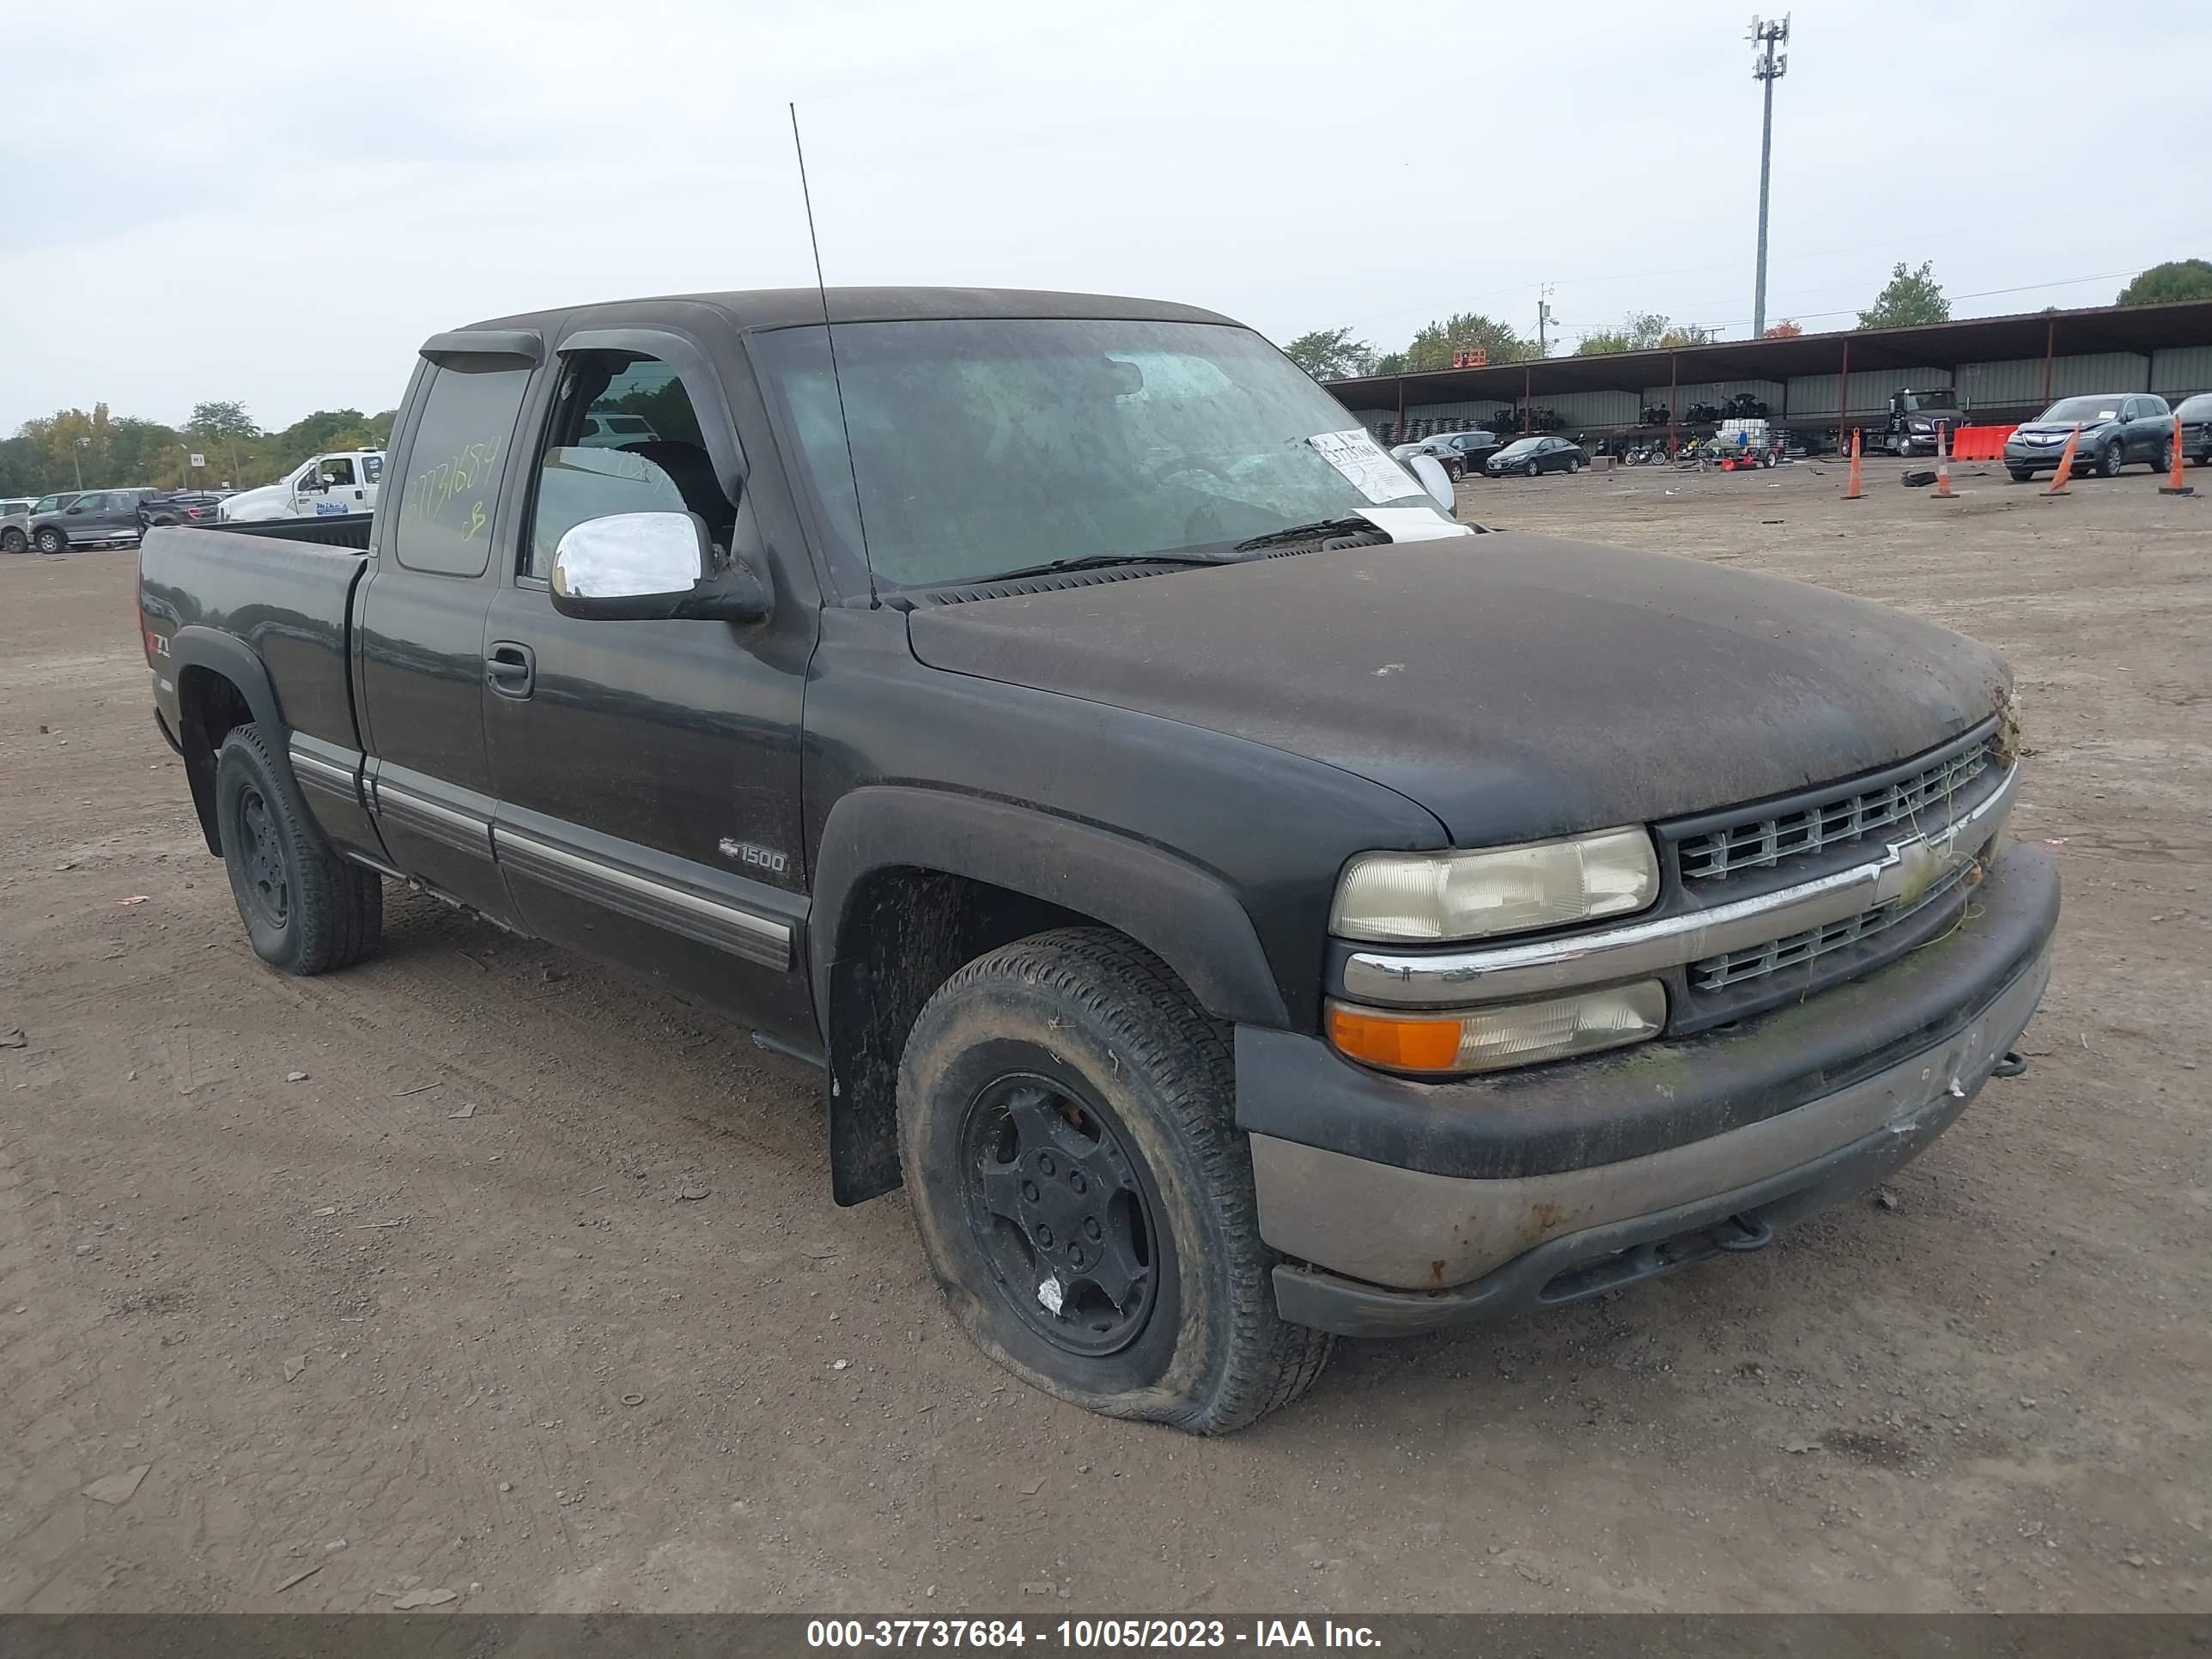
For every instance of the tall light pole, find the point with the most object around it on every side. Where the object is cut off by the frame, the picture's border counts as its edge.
(1767, 67)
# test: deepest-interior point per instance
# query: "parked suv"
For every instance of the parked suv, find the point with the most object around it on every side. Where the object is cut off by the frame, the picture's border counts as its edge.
(95, 517)
(2196, 415)
(15, 525)
(2117, 428)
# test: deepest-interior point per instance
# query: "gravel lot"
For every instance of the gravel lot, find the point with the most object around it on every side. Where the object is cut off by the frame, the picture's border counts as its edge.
(410, 1257)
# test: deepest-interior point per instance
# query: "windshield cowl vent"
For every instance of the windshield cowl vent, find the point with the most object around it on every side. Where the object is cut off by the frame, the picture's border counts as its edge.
(1039, 584)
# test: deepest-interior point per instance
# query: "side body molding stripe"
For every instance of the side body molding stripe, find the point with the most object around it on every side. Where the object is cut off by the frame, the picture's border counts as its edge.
(755, 938)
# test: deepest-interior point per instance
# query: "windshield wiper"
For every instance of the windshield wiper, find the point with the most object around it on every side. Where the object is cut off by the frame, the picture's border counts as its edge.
(1097, 562)
(1306, 533)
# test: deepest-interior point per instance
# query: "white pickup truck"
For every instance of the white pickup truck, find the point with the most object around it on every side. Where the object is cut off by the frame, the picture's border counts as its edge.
(344, 480)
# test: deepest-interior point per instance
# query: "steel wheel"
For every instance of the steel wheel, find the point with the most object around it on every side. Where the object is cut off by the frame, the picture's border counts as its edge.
(1055, 1203)
(268, 888)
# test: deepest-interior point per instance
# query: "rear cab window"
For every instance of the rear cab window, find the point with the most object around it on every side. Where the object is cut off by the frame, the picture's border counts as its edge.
(454, 464)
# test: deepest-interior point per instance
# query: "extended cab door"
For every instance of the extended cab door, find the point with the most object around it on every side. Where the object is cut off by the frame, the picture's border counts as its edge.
(420, 638)
(647, 772)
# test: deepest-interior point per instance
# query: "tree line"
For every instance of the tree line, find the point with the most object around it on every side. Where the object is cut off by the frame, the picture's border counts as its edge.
(98, 449)
(1911, 297)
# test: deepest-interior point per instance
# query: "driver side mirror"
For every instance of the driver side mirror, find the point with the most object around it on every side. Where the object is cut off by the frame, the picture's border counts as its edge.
(651, 567)
(1434, 479)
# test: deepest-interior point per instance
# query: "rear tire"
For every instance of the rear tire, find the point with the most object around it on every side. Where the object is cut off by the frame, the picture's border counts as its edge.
(12, 540)
(1064, 1092)
(305, 909)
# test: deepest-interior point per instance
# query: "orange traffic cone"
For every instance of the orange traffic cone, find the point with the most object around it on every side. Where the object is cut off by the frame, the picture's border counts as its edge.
(1943, 491)
(2173, 486)
(2065, 465)
(1851, 491)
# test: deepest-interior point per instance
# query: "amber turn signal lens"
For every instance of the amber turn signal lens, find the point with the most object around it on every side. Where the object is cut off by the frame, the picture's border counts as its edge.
(1398, 1042)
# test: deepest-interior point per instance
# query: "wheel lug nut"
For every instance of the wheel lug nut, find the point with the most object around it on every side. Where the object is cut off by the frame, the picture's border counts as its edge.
(1029, 1191)
(1076, 1181)
(1045, 1164)
(1075, 1255)
(1091, 1227)
(1044, 1237)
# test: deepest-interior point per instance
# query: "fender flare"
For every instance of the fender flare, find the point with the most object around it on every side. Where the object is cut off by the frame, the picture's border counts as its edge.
(195, 646)
(1181, 912)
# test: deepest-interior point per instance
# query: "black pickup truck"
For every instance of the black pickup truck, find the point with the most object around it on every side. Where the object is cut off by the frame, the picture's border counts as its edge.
(1240, 902)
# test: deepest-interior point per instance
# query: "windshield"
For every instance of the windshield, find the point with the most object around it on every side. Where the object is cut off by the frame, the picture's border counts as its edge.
(1916, 401)
(989, 445)
(1519, 447)
(2196, 408)
(2084, 409)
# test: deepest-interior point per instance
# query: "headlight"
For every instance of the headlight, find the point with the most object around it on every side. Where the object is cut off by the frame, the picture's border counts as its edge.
(1430, 897)
(1492, 1039)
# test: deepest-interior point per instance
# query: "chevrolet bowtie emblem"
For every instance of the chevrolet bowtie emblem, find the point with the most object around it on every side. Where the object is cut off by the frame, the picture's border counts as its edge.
(1916, 866)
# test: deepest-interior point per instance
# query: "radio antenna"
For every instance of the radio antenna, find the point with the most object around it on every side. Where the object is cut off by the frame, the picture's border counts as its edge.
(837, 380)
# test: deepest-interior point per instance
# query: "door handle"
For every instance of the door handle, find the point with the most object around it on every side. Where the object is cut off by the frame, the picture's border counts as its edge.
(511, 668)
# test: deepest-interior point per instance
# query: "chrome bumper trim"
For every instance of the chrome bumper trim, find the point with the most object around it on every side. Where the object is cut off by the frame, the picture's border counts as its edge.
(1452, 979)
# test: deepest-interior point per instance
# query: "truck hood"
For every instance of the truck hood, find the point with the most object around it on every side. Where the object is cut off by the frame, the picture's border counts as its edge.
(269, 501)
(1516, 686)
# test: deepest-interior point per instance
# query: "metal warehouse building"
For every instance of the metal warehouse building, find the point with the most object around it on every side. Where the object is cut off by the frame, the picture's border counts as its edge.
(2008, 369)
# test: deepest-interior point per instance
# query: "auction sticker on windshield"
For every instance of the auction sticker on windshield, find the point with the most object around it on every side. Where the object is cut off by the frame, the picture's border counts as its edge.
(1366, 462)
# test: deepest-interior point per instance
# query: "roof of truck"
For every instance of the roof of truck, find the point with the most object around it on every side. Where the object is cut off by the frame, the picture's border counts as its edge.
(783, 308)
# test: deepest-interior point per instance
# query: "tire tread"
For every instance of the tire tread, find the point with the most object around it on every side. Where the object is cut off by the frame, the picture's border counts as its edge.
(339, 906)
(1269, 1363)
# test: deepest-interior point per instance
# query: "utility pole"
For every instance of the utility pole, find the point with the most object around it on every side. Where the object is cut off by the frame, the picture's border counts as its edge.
(1543, 320)
(1766, 68)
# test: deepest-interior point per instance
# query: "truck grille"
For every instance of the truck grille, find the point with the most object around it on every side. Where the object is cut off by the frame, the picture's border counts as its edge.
(1761, 842)
(1757, 961)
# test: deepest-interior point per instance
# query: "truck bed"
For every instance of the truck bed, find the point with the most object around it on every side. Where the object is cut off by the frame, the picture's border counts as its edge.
(281, 589)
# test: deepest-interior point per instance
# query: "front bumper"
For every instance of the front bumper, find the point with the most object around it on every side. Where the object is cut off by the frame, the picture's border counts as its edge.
(1653, 1158)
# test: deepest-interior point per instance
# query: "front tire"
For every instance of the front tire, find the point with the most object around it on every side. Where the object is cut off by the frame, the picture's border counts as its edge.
(2021, 474)
(12, 540)
(1532, 469)
(2109, 462)
(50, 540)
(305, 909)
(1082, 1194)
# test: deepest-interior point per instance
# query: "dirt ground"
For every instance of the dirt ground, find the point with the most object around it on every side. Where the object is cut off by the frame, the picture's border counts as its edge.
(478, 1269)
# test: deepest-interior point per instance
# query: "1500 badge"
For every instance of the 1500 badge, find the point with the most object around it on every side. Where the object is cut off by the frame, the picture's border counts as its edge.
(761, 857)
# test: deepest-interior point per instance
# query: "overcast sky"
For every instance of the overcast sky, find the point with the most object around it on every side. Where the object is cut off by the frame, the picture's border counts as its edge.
(279, 203)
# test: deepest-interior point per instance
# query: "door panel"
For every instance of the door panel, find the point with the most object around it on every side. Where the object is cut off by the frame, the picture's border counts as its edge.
(648, 791)
(421, 634)
(421, 679)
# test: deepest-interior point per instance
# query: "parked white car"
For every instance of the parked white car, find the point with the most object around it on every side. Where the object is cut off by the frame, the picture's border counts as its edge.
(344, 480)
(605, 431)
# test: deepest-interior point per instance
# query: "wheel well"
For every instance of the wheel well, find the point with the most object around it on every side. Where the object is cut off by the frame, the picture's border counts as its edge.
(209, 706)
(904, 933)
